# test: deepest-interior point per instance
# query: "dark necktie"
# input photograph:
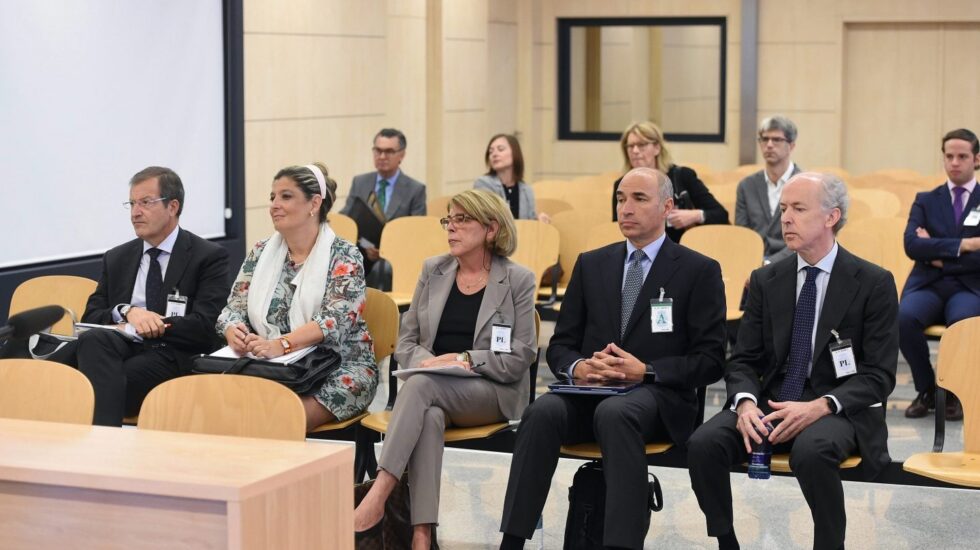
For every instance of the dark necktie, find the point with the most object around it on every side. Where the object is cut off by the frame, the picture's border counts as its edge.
(631, 288)
(801, 348)
(958, 192)
(155, 300)
(383, 195)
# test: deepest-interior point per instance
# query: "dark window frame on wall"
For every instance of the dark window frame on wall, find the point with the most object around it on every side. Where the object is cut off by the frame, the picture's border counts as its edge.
(565, 26)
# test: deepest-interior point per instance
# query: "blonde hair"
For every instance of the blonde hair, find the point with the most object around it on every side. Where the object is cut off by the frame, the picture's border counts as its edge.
(652, 133)
(487, 207)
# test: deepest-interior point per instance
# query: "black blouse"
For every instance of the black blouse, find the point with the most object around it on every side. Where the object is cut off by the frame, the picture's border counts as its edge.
(458, 323)
(513, 196)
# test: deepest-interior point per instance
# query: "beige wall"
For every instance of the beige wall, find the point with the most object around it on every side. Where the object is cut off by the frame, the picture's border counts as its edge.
(322, 76)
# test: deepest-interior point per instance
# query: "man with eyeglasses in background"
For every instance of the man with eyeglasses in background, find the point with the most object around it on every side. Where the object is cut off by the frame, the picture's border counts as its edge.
(757, 196)
(388, 191)
(162, 292)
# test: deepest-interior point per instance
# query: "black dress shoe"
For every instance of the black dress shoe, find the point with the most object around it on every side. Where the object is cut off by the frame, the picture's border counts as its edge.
(921, 405)
(954, 409)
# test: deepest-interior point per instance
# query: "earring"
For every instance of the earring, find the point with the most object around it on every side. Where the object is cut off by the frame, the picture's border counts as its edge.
(311, 213)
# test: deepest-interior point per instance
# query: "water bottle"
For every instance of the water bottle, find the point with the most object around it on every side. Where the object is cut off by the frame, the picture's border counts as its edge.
(761, 457)
(537, 541)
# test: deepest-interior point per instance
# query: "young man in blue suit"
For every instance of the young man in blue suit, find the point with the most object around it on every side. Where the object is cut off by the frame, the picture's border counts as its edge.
(943, 237)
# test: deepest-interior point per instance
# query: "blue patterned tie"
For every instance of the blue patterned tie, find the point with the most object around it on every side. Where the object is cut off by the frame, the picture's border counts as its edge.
(155, 300)
(801, 348)
(631, 288)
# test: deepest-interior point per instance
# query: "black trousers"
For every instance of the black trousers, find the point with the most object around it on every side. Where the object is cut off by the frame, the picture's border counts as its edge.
(121, 372)
(815, 457)
(620, 424)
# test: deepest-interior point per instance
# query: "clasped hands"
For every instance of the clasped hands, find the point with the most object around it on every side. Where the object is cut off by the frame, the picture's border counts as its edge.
(612, 363)
(242, 341)
(790, 417)
(444, 360)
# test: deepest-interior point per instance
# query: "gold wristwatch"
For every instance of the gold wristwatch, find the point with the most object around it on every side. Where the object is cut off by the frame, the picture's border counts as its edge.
(286, 346)
(464, 357)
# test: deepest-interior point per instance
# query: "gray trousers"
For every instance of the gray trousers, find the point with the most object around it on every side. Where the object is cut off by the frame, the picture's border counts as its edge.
(426, 404)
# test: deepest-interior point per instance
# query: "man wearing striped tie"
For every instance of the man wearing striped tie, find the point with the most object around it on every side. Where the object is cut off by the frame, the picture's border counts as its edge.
(816, 356)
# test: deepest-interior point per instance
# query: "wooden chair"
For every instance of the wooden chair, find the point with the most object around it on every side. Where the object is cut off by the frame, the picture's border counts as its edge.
(379, 421)
(880, 241)
(859, 209)
(46, 391)
(225, 404)
(739, 250)
(550, 206)
(725, 193)
(67, 291)
(382, 317)
(537, 247)
(700, 168)
(406, 242)
(437, 206)
(957, 371)
(604, 234)
(835, 170)
(884, 203)
(550, 189)
(898, 174)
(574, 228)
(344, 226)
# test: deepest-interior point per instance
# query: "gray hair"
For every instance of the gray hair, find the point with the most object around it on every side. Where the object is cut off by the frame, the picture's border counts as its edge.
(781, 123)
(665, 189)
(833, 194)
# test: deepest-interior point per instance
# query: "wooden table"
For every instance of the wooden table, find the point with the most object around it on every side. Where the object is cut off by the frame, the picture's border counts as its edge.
(69, 486)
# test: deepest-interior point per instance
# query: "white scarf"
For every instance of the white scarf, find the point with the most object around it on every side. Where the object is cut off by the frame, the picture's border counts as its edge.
(309, 284)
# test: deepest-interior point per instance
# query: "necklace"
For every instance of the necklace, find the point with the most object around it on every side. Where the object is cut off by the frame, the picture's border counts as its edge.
(470, 286)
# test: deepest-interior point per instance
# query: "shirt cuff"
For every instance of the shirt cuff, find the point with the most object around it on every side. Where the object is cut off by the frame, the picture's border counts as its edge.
(836, 402)
(116, 316)
(570, 371)
(702, 216)
(739, 397)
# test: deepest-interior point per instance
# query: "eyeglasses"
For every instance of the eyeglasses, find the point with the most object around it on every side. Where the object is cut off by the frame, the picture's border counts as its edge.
(774, 139)
(458, 219)
(142, 203)
(385, 152)
(638, 146)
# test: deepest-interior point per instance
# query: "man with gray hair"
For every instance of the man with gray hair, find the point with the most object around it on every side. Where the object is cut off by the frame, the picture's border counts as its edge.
(757, 196)
(815, 360)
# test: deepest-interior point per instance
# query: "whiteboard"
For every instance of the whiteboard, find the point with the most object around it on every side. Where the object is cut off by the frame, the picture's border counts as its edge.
(91, 92)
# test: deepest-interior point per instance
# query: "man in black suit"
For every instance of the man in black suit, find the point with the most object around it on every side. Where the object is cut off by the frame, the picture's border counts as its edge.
(164, 289)
(594, 340)
(816, 357)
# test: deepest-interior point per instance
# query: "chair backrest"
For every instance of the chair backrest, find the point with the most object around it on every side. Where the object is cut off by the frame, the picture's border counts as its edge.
(67, 291)
(884, 203)
(406, 242)
(887, 236)
(344, 226)
(959, 356)
(44, 390)
(437, 206)
(739, 250)
(381, 315)
(603, 234)
(574, 227)
(537, 247)
(725, 192)
(550, 206)
(835, 170)
(224, 404)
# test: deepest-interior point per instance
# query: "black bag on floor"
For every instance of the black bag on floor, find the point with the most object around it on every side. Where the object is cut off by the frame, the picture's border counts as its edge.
(587, 507)
(302, 376)
(395, 529)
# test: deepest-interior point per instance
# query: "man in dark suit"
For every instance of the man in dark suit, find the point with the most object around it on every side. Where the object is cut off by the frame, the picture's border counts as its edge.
(594, 340)
(757, 196)
(816, 357)
(164, 289)
(943, 237)
(388, 191)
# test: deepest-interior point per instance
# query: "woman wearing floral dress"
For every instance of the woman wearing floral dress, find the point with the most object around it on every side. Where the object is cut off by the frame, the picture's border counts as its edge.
(305, 286)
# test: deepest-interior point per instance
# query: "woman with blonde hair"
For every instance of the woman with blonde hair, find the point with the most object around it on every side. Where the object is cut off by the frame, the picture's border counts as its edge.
(462, 298)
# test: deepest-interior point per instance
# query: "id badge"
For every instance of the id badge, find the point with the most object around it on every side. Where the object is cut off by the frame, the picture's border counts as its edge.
(500, 338)
(662, 314)
(842, 353)
(973, 219)
(176, 304)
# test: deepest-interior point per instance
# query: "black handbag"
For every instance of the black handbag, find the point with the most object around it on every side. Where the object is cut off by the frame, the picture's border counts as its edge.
(302, 376)
(587, 507)
(394, 532)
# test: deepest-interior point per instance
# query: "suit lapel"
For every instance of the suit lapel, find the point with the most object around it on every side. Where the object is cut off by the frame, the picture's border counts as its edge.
(130, 268)
(398, 195)
(944, 204)
(971, 204)
(840, 292)
(783, 305)
(762, 196)
(497, 289)
(661, 271)
(440, 283)
(178, 261)
(612, 284)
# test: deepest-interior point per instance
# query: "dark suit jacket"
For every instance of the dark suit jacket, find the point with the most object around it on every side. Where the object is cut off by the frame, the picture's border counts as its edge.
(752, 211)
(933, 210)
(698, 197)
(407, 197)
(197, 268)
(860, 305)
(691, 356)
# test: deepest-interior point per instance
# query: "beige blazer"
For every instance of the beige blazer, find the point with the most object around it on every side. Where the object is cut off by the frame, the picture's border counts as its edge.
(508, 299)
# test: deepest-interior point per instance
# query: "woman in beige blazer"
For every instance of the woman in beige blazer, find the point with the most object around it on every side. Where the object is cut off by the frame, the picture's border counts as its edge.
(463, 300)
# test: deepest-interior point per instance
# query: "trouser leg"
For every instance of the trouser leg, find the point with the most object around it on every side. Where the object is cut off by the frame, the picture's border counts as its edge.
(918, 310)
(715, 446)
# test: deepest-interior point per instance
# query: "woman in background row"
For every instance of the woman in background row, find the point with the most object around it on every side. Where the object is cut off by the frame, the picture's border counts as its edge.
(643, 145)
(305, 286)
(505, 177)
(462, 299)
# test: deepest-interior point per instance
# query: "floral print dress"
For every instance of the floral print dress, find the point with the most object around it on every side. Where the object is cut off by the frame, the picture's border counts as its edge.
(350, 389)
